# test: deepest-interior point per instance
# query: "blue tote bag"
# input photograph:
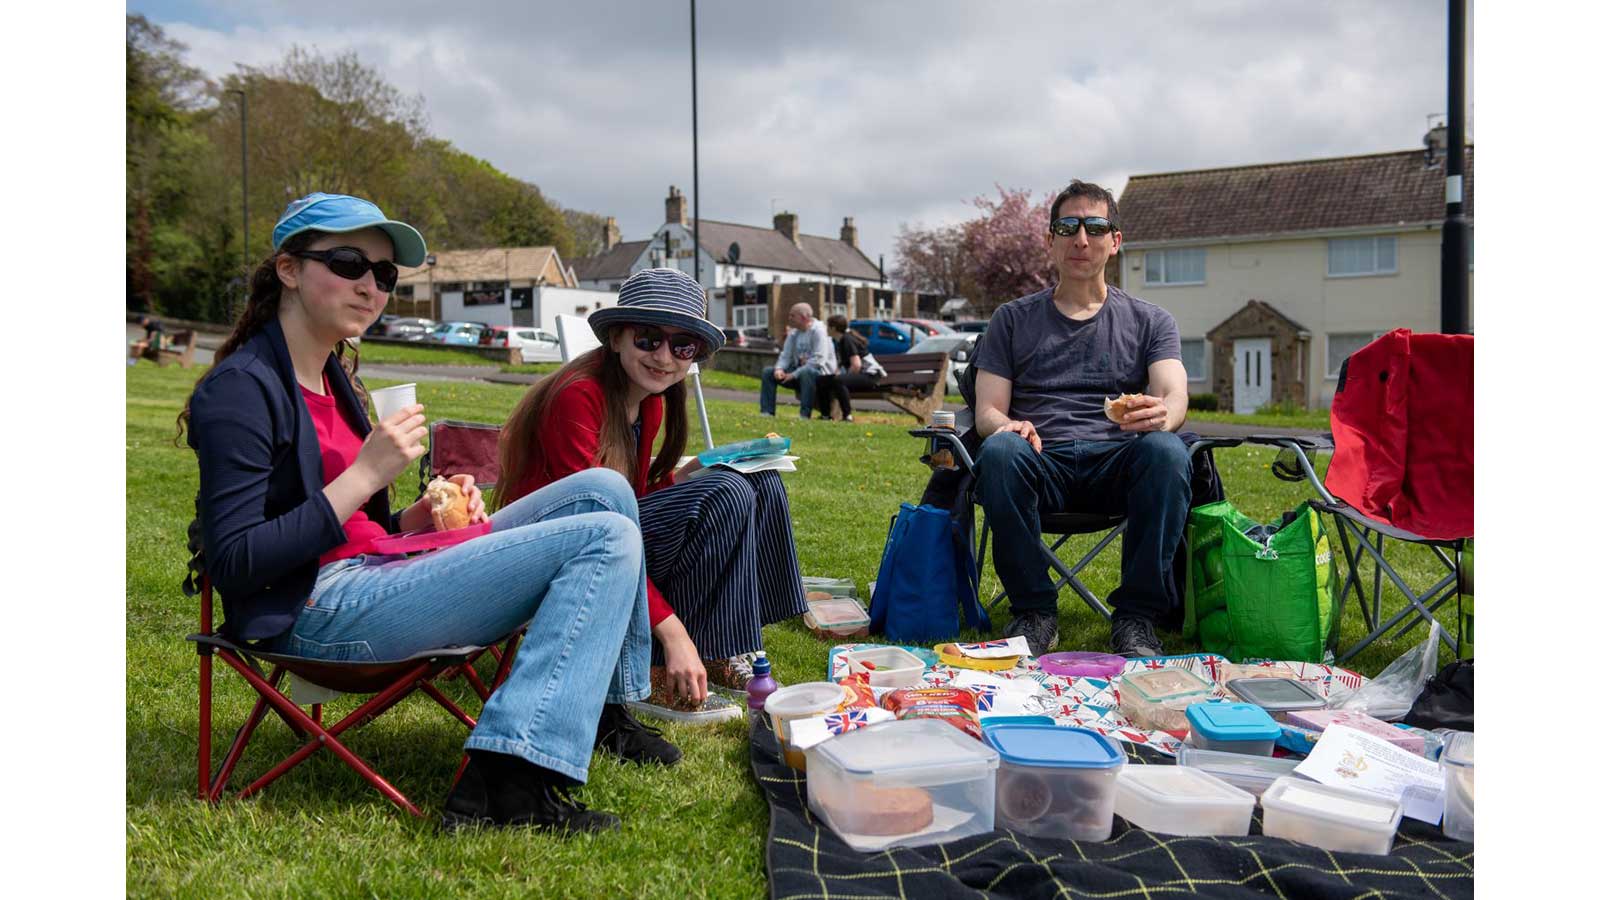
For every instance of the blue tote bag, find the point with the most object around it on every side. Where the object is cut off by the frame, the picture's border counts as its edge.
(927, 579)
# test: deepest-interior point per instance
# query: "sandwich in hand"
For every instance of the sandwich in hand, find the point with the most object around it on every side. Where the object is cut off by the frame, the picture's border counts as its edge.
(448, 505)
(1117, 408)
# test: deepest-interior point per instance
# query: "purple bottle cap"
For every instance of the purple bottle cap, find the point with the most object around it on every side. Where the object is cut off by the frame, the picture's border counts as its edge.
(1082, 664)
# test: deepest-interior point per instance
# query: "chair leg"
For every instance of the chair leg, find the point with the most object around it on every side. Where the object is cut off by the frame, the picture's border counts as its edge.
(205, 724)
(449, 707)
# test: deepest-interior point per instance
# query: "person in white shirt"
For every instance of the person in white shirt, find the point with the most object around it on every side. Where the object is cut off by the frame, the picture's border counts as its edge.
(806, 356)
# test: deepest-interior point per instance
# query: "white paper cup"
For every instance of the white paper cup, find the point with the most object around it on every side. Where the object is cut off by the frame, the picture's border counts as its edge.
(390, 400)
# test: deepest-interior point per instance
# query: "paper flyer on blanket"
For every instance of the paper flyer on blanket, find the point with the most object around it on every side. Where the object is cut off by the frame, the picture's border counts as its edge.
(1346, 757)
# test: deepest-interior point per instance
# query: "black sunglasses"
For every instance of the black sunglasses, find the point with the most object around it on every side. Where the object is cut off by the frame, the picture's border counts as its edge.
(683, 346)
(1067, 226)
(348, 262)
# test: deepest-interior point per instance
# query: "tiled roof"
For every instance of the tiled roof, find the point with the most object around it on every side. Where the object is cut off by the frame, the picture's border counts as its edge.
(767, 248)
(488, 264)
(1381, 189)
(614, 263)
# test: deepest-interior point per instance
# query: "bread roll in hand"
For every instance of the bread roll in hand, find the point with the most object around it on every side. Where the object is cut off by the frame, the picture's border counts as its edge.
(448, 505)
(1117, 408)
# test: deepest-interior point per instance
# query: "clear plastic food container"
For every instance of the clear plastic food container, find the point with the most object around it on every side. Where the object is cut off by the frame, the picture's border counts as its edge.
(1277, 695)
(1056, 781)
(1233, 727)
(1333, 818)
(1320, 719)
(1156, 698)
(902, 784)
(1182, 800)
(1456, 762)
(836, 617)
(1083, 664)
(800, 701)
(893, 667)
(1244, 771)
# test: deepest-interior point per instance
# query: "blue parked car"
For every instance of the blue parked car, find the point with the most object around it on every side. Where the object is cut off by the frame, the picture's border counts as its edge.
(886, 338)
(467, 334)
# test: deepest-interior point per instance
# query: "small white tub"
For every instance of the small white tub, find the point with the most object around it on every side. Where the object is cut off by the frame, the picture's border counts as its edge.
(1333, 818)
(1182, 800)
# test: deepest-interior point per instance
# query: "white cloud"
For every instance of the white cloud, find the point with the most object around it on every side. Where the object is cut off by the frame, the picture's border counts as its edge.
(889, 112)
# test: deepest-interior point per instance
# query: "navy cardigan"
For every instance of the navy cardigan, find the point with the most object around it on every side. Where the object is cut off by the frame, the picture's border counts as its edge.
(264, 520)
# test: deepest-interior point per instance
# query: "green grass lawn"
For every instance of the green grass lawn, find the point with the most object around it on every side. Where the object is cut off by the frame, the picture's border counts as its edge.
(373, 353)
(695, 830)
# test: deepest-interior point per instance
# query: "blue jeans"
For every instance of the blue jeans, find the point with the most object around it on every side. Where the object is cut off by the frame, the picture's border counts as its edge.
(804, 383)
(567, 558)
(1145, 478)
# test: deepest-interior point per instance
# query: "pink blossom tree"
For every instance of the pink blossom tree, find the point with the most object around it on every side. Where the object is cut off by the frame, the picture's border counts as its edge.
(1007, 254)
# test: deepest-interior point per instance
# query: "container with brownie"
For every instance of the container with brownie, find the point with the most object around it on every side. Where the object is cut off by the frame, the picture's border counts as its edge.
(1056, 781)
(902, 784)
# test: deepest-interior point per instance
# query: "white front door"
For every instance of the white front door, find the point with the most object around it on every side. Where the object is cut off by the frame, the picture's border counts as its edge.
(1252, 374)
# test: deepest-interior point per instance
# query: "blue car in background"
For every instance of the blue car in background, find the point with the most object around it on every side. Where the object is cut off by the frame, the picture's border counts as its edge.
(887, 338)
(462, 334)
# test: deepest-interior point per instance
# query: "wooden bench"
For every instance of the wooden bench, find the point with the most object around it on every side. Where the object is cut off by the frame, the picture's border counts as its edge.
(179, 348)
(915, 382)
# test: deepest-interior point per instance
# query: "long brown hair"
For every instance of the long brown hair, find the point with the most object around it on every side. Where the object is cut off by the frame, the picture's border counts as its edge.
(262, 307)
(521, 456)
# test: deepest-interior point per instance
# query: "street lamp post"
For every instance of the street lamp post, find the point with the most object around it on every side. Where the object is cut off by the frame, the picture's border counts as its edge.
(694, 120)
(1453, 258)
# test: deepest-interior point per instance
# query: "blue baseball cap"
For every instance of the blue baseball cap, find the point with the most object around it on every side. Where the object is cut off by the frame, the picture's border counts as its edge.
(340, 213)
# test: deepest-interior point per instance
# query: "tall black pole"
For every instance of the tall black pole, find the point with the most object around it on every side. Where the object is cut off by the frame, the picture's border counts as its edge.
(1453, 275)
(694, 119)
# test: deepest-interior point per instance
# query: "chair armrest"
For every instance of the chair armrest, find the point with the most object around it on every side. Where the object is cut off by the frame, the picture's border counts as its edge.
(952, 438)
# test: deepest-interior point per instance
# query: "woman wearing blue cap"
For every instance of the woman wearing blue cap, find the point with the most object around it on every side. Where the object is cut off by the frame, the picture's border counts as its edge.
(719, 549)
(294, 487)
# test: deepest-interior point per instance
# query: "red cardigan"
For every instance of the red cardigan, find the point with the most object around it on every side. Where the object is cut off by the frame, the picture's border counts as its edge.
(571, 440)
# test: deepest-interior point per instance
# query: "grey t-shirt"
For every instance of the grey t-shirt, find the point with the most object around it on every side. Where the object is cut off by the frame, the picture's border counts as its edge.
(1061, 370)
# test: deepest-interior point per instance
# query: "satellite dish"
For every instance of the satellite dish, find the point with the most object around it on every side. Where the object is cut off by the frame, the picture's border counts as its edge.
(733, 253)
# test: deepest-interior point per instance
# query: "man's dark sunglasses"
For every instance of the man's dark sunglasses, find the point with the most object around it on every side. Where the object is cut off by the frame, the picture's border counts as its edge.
(1067, 226)
(683, 346)
(348, 262)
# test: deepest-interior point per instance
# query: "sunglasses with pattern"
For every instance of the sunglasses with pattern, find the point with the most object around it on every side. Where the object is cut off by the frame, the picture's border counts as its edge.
(1096, 226)
(348, 262)
(646, 338)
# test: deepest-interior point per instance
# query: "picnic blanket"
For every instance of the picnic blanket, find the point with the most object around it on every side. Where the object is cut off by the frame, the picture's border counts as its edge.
(1093, 703)
(805, 859)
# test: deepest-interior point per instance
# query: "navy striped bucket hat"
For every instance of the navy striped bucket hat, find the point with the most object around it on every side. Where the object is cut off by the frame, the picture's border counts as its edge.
(660, 297)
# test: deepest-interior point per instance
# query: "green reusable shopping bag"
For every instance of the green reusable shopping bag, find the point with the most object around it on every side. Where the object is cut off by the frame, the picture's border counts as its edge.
(1251, 600)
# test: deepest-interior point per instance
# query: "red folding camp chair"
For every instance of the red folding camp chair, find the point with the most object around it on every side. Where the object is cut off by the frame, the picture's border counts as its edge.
(1402, 440)
(454, 448)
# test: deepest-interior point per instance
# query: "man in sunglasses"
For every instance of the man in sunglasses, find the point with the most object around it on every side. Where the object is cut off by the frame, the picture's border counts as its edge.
(807, 355)
(1046, 366)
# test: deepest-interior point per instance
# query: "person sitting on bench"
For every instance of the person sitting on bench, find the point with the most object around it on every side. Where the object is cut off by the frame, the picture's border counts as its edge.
(858, 371)
(807, 355)
(1045, 369)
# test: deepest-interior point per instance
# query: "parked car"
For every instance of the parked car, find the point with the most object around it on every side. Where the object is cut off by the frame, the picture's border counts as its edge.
(976, 326)
(379, 328)
(457, 333)
(537, 345)
(410, 328)
(931, 326)
(887, 338)
(750, 338)
(958, 347)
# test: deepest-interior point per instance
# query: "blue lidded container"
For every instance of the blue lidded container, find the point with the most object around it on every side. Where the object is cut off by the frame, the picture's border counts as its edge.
(1055, 781)
(1232, 727)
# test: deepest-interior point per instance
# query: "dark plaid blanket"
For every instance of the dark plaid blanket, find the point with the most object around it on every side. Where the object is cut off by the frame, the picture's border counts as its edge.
(806, 860)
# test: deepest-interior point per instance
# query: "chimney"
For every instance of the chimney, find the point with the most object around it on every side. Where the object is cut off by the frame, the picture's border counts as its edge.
(847, 232)
(675, 206)
(613, 235)
(1433, 146)
(788, 224)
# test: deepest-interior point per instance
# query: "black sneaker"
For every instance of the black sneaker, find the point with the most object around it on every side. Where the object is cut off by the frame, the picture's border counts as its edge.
(1038, 627)
(498, 790)
(629, 739)
(1134, 636)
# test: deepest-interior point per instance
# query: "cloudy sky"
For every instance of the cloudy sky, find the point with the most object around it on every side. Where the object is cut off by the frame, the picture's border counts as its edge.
(898, 111)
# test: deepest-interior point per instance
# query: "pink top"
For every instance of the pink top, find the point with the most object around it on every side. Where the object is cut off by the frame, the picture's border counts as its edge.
(340, 444)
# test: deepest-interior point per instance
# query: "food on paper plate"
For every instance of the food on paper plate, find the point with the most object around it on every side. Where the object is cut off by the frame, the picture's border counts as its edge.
(448, 505)
(1117, 407)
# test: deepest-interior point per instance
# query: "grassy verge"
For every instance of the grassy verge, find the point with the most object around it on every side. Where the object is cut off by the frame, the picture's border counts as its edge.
(696, 830)
(420, 355)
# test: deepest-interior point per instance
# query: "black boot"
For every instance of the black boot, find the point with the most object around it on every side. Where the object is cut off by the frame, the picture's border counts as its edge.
(621, 735)
(499, 790)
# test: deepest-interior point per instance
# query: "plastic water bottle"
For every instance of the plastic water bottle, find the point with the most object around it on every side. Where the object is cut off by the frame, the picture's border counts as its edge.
(761, 682)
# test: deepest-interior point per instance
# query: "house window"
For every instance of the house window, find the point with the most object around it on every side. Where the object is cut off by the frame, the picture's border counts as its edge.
(1172, 267)
(1361, 256)
(1194, 358)
(1340, 346)
(750, 315)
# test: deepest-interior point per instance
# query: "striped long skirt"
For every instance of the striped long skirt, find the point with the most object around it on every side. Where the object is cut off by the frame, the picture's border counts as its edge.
(721, 549)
